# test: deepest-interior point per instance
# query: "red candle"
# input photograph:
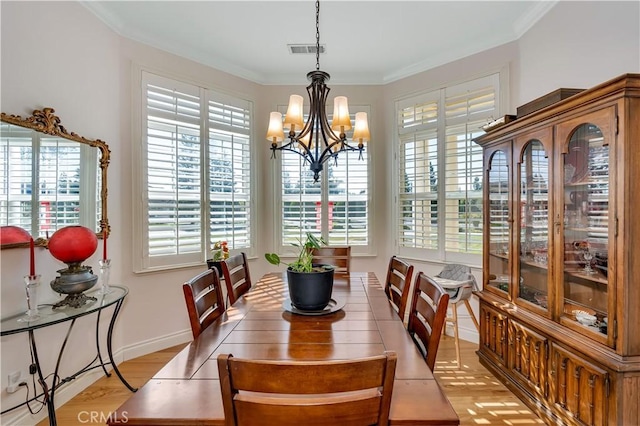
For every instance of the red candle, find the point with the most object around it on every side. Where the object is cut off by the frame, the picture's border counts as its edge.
(32, 260)
(104, 247)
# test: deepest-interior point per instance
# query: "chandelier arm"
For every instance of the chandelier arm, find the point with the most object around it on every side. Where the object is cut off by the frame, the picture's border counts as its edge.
(349, 147)
(287, 147)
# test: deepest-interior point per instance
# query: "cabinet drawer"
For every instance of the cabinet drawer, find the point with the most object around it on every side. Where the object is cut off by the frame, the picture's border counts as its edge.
(493, 333)
(578, 389)
(528, 358)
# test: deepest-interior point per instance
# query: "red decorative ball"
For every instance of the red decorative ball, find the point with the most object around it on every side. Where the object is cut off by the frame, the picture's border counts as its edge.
(13, 235)
(73, 244)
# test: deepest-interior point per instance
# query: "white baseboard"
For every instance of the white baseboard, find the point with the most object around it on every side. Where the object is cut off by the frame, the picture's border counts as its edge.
(464, 333)
(22, 416)
(153, 345)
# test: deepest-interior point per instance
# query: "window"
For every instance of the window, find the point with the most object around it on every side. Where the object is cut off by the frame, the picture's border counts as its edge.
(45, 198)
(439, 209)
(337, 207)
(197, 172)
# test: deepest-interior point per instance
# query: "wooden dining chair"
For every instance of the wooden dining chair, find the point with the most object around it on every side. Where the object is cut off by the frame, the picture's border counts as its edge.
(398, 284)
(337, 256)
(235, 271)
(427, 316)
(335, 392)
(203, 296)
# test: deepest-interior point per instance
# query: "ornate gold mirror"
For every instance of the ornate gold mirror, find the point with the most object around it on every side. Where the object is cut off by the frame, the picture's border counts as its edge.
(50, 178)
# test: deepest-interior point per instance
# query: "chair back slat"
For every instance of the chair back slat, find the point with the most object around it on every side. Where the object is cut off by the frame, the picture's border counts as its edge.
(261, 413)
(350, 392)
(337, 256)
(427, 316)
(237, 279)
(204, 300)
(398, 283)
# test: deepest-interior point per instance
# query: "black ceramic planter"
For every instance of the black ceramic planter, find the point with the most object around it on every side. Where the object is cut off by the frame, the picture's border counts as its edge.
(215, 264)
(310, 291)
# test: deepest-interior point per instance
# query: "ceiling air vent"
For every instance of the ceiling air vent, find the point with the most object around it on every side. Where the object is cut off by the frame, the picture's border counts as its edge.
(304, 48)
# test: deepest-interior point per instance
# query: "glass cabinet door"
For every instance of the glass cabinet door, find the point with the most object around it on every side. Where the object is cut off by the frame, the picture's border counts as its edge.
(533, 256)
(586, 224)
(498, 223)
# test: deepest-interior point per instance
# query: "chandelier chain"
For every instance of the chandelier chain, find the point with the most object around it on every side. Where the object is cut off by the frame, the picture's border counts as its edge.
(317, 35)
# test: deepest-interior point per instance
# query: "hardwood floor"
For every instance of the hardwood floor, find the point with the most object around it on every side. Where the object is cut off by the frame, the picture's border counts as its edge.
(477, 397)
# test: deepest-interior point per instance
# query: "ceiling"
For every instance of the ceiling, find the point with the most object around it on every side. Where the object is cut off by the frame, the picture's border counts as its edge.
(367, 42)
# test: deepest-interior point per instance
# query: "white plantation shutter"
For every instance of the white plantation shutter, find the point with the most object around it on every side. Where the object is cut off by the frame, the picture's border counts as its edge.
(301, 207)
(417, 217)
(468, 107)
(439, 209)
(418, 196)
(197, 172)
(463, 205)
(230, 172)
(48, 196)
(173, 168)
(337, 207)
(419, 115)
(348, 200)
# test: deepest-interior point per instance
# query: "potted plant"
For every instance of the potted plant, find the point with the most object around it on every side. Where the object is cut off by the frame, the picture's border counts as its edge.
(310, 285)
(219, 253)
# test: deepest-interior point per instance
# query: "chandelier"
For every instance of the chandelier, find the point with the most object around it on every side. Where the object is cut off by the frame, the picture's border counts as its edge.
(316, 140)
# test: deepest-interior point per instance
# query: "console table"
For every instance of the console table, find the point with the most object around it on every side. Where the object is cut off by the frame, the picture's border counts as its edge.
(49, 317)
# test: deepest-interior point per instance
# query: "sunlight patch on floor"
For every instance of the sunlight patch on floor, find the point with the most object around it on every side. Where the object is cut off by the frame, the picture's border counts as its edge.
(466, 384)
(524, 422)
(496, 404)
(503, 412)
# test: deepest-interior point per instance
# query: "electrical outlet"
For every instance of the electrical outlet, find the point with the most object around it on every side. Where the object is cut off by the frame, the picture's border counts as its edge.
(15, 379)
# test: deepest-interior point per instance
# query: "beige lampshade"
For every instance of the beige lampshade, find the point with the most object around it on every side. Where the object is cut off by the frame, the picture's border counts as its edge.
(341, 120)
(293, 119)
(361, 131)
(275, 133)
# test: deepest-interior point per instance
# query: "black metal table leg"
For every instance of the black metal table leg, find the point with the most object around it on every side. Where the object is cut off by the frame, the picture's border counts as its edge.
(48, 400)
(102, 363)
(116, 311)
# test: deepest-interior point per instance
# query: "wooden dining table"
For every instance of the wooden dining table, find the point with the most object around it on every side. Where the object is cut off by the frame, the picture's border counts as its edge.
(260, 325)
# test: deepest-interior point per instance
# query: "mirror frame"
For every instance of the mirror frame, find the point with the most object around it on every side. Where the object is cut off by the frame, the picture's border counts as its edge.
(45, 121)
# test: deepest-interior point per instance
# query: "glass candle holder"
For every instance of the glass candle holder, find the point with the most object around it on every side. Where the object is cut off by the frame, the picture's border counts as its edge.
(105, 271)
(32, 285)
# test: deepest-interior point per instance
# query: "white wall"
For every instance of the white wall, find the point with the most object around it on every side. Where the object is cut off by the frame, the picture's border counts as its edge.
(59, 55)
(54, 55)
(578, 45)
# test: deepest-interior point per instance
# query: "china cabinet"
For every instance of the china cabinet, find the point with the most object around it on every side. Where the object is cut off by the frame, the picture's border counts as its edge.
(560, 304)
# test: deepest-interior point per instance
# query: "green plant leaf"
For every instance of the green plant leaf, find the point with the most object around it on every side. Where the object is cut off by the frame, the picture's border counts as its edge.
(272, 258)
(304, 262)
